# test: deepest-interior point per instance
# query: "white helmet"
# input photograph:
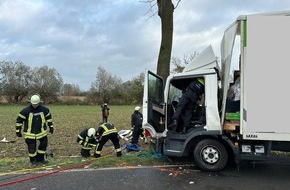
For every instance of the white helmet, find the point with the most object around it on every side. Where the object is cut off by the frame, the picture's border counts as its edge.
(137, 108)
(35, 99)
(91, 132)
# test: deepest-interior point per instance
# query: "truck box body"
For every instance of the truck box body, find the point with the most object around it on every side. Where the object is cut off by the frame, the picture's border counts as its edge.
(264, 60)
(259, 46)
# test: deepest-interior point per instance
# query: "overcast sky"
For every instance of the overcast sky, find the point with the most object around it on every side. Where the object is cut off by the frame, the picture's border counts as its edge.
(77, 36)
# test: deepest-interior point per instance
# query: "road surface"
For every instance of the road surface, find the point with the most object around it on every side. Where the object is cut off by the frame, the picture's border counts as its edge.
(249, 177)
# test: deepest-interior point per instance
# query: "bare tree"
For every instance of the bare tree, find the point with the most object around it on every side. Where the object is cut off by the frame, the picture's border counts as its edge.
(105, 84)
(188, 58)
(135, 88)
(14, 80)
(178, 65)
(47, 82)
(165, 12)
(70, 89)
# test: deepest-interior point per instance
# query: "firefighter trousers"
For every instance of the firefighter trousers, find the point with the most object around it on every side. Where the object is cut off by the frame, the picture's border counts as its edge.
(115, 140)
(34, 153)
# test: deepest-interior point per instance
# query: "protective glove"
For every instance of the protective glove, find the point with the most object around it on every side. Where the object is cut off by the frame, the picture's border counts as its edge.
(51, 129)
(19, 134)
(91, 145)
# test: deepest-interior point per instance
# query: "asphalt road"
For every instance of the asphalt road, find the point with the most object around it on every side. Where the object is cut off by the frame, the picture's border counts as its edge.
(249, 177)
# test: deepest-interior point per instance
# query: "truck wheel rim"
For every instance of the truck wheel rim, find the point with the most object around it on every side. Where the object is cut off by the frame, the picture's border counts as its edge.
(210, 155)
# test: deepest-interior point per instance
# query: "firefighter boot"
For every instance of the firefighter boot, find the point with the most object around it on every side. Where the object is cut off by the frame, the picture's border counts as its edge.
(45, 161)
(97, 155)
(41, 158)
(33, 161)
(119, 154)
(173, 125)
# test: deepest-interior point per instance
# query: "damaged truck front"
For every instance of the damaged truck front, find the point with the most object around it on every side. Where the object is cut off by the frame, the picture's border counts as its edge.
(250, 128)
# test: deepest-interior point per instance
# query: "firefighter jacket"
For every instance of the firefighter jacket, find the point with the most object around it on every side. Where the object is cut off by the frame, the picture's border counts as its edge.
(35, 121)
(197, 85)
(136, 119)
(106, 129)
(85, 141)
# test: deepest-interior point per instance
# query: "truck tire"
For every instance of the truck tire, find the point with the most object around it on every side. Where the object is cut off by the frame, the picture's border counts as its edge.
(210, 155)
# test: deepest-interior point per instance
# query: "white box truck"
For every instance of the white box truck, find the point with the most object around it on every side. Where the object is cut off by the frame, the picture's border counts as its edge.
(258, 128)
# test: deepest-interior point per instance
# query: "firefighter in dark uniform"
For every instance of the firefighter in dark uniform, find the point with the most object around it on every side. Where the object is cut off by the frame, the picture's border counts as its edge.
(187, 103)
(87, 139)
(136, 124)
(36, 120)
(107, 131)
(105, 112)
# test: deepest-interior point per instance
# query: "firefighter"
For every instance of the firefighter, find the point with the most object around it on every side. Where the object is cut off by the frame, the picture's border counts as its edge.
(87, 139)
(136, 124)
(36, 120)
(105, 112)
(107, 131)
(187, 103)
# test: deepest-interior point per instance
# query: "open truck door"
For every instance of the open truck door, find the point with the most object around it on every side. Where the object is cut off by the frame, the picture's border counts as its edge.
(153, 104)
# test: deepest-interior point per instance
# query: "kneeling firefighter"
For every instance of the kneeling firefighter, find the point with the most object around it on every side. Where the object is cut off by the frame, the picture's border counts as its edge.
(107, 131)
(87, 139)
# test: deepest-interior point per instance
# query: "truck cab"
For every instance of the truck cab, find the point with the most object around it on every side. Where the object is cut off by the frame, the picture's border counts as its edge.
(160, 101)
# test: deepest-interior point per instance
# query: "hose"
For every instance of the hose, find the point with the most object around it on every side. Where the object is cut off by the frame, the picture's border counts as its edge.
(153, 153)
(43, 175)
(52, 172)
(48, 173)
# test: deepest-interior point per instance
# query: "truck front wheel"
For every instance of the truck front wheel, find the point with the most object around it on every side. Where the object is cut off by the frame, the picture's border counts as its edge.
(210, 155)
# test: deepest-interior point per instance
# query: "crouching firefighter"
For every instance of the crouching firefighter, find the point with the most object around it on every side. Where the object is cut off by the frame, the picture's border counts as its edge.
(107, 131)
(36, 120)
(87, 139)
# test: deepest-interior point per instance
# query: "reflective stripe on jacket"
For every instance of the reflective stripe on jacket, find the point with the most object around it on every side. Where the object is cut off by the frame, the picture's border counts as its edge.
(84, 140)
(35, 121)
(106, 128)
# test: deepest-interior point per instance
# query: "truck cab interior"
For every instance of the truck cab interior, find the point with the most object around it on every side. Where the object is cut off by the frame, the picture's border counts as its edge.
(198, 118)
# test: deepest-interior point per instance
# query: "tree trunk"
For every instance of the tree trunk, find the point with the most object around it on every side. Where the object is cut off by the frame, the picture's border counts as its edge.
(165, 12)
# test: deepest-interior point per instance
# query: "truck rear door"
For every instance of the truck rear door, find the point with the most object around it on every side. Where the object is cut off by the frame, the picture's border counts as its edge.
(153, 104)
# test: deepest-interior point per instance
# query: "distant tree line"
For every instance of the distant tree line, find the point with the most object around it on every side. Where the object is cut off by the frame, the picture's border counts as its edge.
(110, 89)
(18, 82)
